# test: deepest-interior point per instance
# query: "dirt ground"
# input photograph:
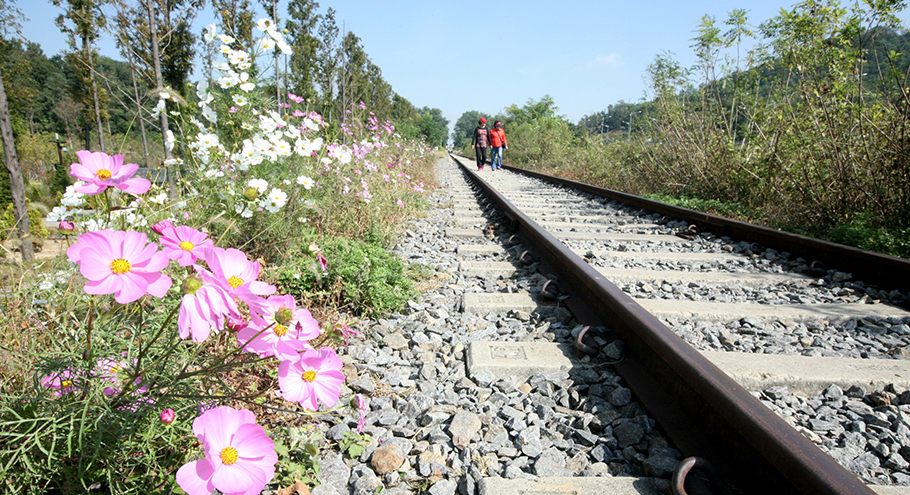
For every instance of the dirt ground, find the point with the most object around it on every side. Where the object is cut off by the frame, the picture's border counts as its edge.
(49, 249)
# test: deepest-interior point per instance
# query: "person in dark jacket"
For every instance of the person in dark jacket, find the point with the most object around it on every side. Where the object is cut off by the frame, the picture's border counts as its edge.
(497, 142)
(480, 141)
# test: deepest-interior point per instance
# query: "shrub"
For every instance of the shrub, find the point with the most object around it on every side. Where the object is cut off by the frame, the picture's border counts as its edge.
(372, 280)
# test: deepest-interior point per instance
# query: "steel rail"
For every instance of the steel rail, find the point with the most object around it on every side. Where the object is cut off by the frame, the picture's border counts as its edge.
(885, 271)
(700, 408)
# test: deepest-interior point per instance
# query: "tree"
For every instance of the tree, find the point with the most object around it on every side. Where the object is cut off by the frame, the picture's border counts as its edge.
(9, 20)
(301, 24)
(433, 127)
(82, 22)
(237, 19)
(327, 57)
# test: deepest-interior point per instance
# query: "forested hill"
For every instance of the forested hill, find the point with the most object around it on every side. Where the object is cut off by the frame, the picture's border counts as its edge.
(53, 98)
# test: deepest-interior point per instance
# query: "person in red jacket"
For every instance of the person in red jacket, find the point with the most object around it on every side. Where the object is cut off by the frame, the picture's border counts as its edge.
(480, 141)
(497, 142)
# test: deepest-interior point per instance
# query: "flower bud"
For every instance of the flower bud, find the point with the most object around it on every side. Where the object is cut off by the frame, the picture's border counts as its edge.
(191, 285)
(251, 193)
(313, 249)
(167, 416)
(66, 226)
(236, 324)
(284, 316)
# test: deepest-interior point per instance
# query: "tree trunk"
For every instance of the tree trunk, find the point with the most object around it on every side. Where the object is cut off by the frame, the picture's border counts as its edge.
(16, 184)
(86, 45)
(145, 144)
(277, 71)
(159, 82)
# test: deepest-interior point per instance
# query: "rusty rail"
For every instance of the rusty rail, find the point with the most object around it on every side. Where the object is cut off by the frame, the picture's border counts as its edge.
(885, 271)
(704, 412)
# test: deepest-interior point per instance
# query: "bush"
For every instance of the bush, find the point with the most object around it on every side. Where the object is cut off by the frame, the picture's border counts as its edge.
(861, 232)
(372, 280)
(35, 222)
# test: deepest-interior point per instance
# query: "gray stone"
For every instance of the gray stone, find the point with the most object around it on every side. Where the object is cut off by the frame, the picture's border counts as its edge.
(463, 427)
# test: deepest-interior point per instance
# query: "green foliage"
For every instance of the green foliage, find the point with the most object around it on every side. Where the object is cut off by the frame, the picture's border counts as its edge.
(863, 232)
(429, 126)
(298, 451)
(353, 444)
(35, 222)
(801, 131)
(725, 209)
(371, 279)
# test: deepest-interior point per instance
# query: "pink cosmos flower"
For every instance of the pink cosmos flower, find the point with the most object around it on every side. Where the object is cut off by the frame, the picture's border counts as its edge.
(161, 226)
(100, 171)
(63, 382)
(204, 309)
(400, 203)
(323, 263)
(184, 244)
(234, 272)
(239, 457)
(280, 330)
(120, 263)
(298, 113)
(316, 375)
(66, 226)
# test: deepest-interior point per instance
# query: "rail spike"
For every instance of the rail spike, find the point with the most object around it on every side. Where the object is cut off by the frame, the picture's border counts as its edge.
(706, 482)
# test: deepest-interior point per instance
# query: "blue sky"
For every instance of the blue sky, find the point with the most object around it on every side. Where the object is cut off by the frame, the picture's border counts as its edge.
(473, 55)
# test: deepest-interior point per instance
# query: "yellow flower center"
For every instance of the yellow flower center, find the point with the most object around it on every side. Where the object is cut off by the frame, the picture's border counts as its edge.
(235, 281)
(120, 266)
(229, 455)
(309, 376)
(187, 245)
(66, 384)
(103, 174)
(280, 330)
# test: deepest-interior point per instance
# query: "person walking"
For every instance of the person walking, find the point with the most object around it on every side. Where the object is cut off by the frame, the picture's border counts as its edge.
(497, 143)
(479, 142)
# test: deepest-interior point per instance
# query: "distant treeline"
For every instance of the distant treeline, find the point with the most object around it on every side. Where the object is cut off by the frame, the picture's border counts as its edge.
(96, 102)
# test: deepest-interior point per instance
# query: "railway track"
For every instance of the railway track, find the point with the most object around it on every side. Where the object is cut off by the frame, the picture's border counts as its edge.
(660, 288)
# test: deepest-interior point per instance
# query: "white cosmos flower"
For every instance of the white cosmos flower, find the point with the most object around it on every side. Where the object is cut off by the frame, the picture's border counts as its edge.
(275, 200)
(225, 38)
(160, 199)
(202, 89)
(282, 147)
(169, 140)
(240, 100)
(260, 185)
(265, 25)
(229, 80)
(245, 83)
(210, 115)
(158, 108)
(313, 126)
(283, 46)
(243, 211)
(343, 155)
(237, 57)
(266, 44)
(210, 32)
(306, 182)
